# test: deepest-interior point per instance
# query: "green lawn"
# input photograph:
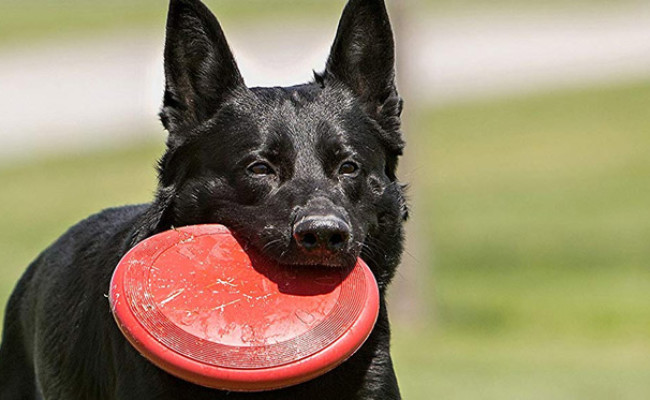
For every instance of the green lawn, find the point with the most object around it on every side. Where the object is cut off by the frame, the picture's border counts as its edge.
(539, 218)
(25, 20)
(538, 215)
(22, 20)
(41, 200)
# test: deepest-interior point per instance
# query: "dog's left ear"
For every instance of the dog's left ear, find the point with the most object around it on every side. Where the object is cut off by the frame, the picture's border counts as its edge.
(363, 55)
(200, 70)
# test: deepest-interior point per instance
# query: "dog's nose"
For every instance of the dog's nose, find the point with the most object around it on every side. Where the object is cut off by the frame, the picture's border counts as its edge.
(322, 233)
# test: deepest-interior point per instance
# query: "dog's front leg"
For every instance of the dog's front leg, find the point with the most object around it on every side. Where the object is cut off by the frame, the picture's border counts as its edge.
(380, 382)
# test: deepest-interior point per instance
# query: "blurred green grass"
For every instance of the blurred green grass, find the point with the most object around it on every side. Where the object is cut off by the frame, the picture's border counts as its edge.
(537, 210)
(26, 20)
(538, 218)
(42, 199)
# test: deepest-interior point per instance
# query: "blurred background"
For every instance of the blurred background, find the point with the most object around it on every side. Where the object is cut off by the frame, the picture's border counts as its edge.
(527, 274)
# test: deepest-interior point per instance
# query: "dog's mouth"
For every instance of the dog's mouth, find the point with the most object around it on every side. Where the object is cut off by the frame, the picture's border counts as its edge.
(343, 261)
(297, 257)
(286, 251)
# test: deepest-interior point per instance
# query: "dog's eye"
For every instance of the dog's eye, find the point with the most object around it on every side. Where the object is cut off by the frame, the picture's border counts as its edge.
(348, 168)
(261, 168)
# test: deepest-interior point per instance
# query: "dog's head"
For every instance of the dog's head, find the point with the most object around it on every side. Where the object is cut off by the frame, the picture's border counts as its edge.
(304, 175)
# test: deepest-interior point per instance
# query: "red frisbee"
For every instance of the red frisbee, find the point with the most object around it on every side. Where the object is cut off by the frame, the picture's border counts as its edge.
(192, 302)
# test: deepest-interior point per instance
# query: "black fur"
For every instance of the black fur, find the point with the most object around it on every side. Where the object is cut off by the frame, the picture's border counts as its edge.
(255, 160)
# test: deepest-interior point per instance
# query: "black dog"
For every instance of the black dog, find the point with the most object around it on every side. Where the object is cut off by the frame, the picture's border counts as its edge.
(305, 175)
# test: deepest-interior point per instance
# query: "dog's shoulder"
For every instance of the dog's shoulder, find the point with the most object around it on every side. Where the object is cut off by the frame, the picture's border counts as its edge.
(100, 227)
(96, 240)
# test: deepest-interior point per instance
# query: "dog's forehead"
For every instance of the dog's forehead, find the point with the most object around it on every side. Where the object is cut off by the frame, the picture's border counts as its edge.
(305, 112)
(306, 122)
(303, 104)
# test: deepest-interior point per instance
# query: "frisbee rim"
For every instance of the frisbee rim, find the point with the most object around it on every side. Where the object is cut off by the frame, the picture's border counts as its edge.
(231, 378)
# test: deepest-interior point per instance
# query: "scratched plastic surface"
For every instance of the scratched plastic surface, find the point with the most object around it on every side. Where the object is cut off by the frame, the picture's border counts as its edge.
(193, 301)
(217, 295)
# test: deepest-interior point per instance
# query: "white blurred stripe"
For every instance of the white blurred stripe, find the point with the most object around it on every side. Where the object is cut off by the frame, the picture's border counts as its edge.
(485, 56)
(58, 96)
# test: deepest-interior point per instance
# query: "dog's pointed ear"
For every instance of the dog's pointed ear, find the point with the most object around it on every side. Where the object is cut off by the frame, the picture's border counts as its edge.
(363, 59)
(200, 70)
(363, 54)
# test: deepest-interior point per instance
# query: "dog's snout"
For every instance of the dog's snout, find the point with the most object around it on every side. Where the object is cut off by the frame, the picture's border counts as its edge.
(322, 233)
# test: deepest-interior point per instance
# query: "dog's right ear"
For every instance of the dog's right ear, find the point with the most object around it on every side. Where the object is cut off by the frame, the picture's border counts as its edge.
(200, 70)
